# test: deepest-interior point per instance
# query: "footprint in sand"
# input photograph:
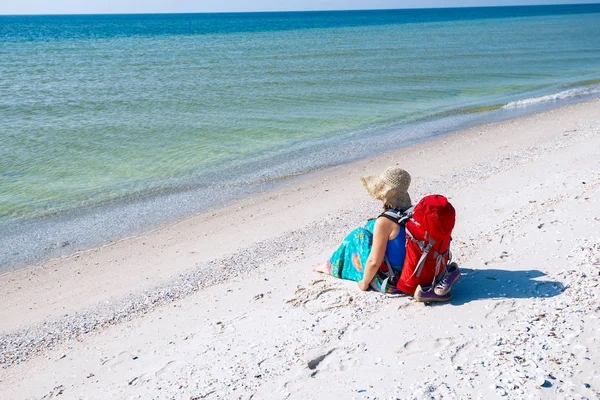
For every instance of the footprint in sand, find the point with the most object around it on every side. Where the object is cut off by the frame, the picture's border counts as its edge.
(501, 311)
(415, 346)
(410, 345)
(500, 307)
(226, 327)
(462, 352)
(165, 368)
(120, 358)
(55, 392)
(148, 377)
(314, 363)
(443, 343)
(295, 380)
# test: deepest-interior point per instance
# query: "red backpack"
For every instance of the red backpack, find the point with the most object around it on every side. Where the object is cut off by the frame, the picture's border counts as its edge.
(428, 231)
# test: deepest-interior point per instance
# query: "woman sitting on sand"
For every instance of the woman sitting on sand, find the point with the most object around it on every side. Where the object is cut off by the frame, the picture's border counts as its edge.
(363, 251)
(361, 255)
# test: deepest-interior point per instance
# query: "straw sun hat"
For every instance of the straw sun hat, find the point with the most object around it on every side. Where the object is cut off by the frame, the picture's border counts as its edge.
(391, 187)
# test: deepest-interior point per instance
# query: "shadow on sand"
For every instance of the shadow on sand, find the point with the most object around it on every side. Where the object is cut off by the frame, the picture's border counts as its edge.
(502, 284)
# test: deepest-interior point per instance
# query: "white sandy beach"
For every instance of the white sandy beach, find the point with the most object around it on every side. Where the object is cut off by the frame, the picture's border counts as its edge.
(225, 304)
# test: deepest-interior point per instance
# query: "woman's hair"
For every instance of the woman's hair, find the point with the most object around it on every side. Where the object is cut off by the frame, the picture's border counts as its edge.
(391, 194)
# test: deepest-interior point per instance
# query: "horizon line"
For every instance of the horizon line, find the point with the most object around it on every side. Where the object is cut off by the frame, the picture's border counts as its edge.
(296, 11)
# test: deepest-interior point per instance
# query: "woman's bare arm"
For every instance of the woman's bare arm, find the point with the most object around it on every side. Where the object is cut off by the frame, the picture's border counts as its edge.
(381, 233)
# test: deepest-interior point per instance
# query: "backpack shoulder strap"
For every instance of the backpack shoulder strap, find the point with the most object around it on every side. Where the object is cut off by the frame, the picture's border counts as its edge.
(397, 216)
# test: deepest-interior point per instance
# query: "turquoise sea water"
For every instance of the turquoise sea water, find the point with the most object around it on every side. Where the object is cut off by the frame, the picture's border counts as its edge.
(113, 124)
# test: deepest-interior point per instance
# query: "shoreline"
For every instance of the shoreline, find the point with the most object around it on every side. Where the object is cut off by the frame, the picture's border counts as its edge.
(247, 267)
(65, 235)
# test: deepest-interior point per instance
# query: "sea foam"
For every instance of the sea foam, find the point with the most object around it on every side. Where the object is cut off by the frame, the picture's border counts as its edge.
(565, 94)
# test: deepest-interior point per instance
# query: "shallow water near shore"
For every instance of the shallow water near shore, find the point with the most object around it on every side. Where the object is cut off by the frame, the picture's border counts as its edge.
(117, 124)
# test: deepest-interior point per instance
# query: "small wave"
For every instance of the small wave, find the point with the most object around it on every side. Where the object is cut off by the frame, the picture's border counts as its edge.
(565, 94)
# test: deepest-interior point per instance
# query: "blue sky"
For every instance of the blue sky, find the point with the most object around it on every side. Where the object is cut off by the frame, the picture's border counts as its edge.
(162, 6)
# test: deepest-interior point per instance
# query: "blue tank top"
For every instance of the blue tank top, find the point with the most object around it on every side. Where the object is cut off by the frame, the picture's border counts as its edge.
(395, 250)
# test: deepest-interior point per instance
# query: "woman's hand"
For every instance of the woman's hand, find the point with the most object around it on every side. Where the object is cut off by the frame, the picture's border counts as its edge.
(362, 285)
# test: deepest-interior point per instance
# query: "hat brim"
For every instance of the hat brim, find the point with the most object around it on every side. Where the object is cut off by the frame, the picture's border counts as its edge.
(373, 185)
(379, 190)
